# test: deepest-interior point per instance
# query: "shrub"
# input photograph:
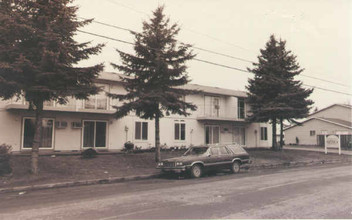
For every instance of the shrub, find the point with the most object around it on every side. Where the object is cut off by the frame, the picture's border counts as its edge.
(5, 154)
(89, 153)
(128, 146)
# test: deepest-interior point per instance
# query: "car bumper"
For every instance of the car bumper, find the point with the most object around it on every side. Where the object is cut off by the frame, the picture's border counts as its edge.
(178, 169)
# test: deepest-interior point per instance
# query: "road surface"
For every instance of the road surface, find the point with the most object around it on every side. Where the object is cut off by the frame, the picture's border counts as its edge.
(313, 192)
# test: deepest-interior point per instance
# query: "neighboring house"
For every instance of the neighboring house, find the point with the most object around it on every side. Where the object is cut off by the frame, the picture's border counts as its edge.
(79, 124)
(334, 119)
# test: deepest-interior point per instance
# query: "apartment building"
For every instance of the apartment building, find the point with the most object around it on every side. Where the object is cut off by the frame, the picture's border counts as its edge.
(80, 124)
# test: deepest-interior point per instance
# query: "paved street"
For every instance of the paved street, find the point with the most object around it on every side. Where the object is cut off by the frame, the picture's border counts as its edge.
(313, 192)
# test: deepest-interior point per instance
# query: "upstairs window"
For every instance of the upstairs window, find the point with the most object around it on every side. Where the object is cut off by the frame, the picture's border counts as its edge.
(312, 133)
(212, 106)
(240, 108)
(98, 101)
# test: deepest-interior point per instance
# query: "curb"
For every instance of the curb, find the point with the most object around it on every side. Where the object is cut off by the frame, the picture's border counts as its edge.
(77, 183)
(150, 176)
(296, 164)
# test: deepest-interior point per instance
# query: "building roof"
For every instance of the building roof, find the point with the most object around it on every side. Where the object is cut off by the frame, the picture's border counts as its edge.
(335, 121)
(338, 121)
(330, 106)
(215, 90)
(110, 76)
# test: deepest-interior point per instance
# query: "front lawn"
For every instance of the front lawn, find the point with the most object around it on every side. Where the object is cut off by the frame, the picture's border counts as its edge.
(73, 168)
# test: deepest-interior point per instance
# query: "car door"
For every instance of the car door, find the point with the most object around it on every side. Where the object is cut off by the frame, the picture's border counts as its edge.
(225, 157)
(213, 158)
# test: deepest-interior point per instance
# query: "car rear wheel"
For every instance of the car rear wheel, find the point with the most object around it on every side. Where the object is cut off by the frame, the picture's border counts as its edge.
(236, 167)
(196, 171)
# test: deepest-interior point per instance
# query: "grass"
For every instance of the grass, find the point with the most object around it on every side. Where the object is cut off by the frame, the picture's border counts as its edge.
(74, 168)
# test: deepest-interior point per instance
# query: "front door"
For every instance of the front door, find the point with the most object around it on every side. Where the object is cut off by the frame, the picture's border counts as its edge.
(238, 135)
(212, 134)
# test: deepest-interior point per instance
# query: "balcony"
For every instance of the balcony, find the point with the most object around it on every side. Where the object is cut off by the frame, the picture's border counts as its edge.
(205, 118)
(73, 105)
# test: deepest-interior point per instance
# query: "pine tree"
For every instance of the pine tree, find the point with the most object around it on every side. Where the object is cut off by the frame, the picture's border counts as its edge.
(155, 74)
(273, 94)
(39, 54)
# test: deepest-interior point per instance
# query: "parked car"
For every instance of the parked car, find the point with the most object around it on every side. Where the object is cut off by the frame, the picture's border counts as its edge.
(200, 159)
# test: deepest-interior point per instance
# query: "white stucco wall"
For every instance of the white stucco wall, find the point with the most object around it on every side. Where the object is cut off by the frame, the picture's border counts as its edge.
(71, 139)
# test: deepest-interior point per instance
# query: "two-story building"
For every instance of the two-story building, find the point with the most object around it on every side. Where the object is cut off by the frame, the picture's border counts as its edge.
(80, 124)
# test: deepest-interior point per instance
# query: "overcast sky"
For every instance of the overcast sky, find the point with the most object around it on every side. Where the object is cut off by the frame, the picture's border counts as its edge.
(318, 32)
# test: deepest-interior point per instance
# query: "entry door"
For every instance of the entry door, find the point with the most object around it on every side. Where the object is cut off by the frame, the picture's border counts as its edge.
(238, 135)
(94, 134)
(212, 134)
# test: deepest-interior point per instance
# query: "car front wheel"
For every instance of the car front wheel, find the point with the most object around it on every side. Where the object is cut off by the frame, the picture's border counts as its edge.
(196, 171)
(236, 167)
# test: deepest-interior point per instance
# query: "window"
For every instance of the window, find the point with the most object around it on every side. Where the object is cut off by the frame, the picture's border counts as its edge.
(263, 133)
(240, 108)
(98, 101)
(141, 131)
(47, 130)
(180, 131)
(94, 134)
(216, 106)
(214, 151)
(212, 134)
(223, 151)
(212, 106)
(312, 133)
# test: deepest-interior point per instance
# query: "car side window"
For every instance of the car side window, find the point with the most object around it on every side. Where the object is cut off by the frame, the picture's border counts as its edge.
(214, 151)
(223, 151)
(237, 149)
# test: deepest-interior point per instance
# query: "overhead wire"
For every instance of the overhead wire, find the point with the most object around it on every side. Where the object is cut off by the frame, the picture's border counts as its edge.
(206, 61)
(209, 51)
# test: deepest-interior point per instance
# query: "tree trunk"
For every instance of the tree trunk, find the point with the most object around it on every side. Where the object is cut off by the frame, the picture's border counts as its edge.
(274, 134)
(37, 138)
(157, 140)
(281, 133)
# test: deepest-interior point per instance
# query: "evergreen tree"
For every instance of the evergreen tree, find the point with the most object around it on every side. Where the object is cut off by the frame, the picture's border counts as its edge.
(273, 94)
(155, 74)
(38, 54)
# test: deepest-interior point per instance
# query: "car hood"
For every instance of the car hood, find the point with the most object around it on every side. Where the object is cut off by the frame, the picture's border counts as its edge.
(183, 158)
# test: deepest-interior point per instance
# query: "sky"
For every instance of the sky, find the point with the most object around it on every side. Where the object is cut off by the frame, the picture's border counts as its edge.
(318, 32)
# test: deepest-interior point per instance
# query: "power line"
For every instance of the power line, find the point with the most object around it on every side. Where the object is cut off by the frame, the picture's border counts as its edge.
(222, 65)
(128, 7)
(198, 48)
(188, 29)
(211, 51)
(325, 80)
(206, 61)
(102, 36)
(329, 90)
(222, 54)
(109, 25)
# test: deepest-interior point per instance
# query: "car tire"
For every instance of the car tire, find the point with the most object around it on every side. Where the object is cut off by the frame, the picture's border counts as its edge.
(196, 171)
(235, 167)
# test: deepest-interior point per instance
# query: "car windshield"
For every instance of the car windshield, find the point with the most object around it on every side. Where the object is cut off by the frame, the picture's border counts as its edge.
(195, 151)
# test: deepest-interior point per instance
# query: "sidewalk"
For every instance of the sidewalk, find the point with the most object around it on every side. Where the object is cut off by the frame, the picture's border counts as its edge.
(318, 149)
